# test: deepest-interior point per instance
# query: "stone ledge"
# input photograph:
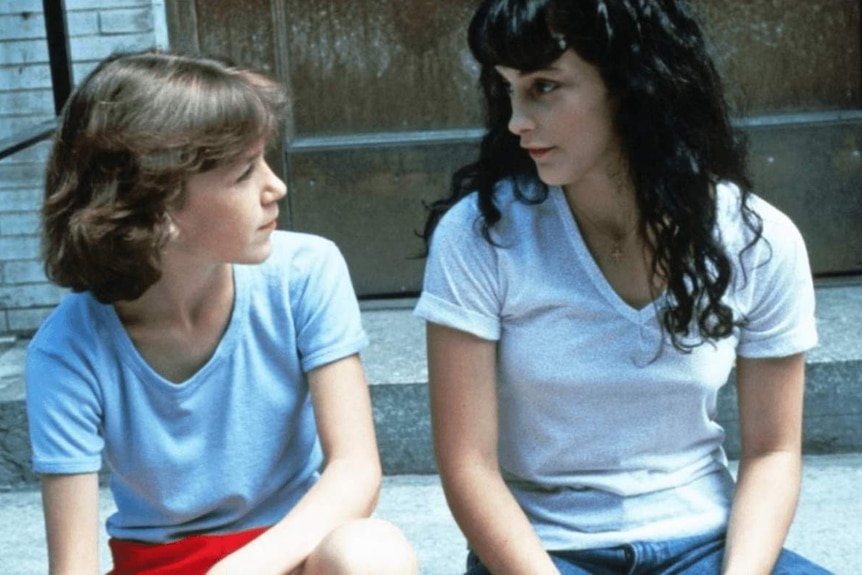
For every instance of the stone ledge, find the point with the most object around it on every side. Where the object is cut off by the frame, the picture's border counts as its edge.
(396, 370)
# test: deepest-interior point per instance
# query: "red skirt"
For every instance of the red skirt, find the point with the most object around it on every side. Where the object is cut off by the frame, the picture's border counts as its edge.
(193, 555)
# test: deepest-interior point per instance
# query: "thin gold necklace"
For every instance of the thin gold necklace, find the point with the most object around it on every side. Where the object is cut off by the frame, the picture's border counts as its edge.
(617, 253)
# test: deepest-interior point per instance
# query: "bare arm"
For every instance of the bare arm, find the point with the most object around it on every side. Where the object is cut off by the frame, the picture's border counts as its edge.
(71, 506)
(462, 375)
(770, 406)
(349, 484)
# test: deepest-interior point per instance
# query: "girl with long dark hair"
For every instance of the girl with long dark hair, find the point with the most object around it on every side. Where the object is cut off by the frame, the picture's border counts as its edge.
(592, 280)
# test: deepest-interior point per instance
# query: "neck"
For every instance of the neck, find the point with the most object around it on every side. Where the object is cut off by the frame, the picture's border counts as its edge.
(180, 297)
(606, 210)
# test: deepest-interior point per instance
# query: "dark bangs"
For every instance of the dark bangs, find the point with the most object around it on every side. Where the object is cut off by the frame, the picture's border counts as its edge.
(231, 113)
(170, 114)
(515, 33)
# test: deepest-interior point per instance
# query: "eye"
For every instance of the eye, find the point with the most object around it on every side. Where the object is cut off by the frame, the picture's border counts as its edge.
(247, 173)
(542, 87)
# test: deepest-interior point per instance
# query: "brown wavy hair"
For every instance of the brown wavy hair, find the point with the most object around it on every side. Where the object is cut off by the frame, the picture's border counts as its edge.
(129, 137)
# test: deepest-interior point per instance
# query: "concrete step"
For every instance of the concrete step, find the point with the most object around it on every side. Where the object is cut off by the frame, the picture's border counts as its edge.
(395, 364)
(396, 369)
(826, 529)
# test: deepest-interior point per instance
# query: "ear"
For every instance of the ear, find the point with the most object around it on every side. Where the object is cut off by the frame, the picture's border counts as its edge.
(172, 232)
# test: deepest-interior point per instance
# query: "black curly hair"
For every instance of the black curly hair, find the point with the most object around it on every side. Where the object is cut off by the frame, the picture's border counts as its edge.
(672, 119)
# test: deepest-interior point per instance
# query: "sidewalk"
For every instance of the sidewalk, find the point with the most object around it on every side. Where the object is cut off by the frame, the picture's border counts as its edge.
(827, 529)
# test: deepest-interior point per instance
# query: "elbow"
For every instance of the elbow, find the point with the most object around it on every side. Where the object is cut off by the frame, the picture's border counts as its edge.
(375, 479)
(459, 474)
(781, 466)
(760, 446)
(364, 475)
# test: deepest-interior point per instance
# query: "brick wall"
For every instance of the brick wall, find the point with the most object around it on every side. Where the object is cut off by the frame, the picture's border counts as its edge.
(96, 28)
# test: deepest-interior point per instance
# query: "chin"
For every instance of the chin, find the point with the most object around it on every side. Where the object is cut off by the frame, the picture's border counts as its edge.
(257, 256)
(548, 175)
(552, 180)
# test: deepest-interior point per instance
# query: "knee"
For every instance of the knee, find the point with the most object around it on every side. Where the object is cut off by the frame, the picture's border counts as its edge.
(363, 547)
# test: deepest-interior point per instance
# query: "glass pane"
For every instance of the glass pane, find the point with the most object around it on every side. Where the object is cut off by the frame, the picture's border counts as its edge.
(381, 65)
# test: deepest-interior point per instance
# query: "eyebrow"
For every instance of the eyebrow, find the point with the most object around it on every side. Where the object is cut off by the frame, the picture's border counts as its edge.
(551, 68)
(242, 162)
(253, 155)
(524, 73)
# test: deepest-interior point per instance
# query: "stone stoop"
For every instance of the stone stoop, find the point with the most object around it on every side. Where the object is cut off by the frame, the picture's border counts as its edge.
(395, 364)
(396, 370)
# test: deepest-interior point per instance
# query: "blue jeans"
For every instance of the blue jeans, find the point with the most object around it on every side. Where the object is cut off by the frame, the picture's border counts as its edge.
(701, 555)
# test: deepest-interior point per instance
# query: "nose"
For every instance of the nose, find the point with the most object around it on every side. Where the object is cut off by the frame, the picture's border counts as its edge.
(520, 121)
(274, 188)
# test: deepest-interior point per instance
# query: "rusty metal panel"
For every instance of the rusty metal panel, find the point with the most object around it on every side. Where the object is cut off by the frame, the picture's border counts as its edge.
(780, 56)
(369, 200)
(380, 65)
(370, 77)
(813, 172)
(243, 31)
(182, 26)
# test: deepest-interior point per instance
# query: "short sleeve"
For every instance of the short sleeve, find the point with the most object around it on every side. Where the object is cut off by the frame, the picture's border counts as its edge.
(461, 286)
(64, 414)
(780, 320)
(325, 309)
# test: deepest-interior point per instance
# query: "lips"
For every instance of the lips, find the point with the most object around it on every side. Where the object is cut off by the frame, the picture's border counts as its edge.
(537, 152)
(271, 225)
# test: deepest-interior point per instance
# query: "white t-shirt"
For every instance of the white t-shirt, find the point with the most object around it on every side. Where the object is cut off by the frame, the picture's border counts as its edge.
(607, 433)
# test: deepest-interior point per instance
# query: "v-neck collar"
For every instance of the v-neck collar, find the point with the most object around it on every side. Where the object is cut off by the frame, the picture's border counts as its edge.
(597, 277)
(133, 358)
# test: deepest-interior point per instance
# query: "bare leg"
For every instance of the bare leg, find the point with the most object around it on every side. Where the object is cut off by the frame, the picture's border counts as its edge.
(363, 547)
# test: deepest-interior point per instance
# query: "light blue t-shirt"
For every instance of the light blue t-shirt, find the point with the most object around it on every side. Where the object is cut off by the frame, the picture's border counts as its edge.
(235, 446)
(607, 433)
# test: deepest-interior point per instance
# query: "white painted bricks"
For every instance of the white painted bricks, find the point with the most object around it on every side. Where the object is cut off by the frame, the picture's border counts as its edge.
(96, 29)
